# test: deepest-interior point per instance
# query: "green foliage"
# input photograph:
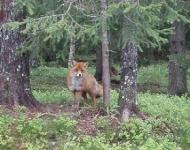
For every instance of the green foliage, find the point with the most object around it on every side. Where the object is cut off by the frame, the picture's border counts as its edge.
(29, 5)
(144, 135)
(53, 96)
(49, 25)
(167, 125)
(6, 140)
(102, 122)
(63, 125)
(49, 83)
(44, 78)
(157, 74)
(114, 101)
(153, 74)
(162, 144)
(23, 132)
(135, 132)
(144, 22)
(172, 106)
(32, 131)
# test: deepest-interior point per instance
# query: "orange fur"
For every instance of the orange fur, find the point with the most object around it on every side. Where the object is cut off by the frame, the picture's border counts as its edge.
(81, 83)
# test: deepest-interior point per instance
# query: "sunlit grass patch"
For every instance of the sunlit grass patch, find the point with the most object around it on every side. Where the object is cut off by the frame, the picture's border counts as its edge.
(53, 96)
(155, 74)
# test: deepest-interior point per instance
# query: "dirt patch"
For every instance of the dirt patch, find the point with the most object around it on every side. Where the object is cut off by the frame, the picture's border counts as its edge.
(86, 123)
(85, 116)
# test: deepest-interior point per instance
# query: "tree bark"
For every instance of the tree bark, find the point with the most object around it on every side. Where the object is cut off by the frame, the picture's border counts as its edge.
(177, 74)
(105, 55)
(71, 52)
(128, 82)
(14, 68)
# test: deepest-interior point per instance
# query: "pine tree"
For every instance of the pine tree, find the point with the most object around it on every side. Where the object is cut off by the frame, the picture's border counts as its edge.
(177, 73)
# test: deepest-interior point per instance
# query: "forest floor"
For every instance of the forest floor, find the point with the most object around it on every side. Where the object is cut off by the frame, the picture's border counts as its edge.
(63, 127)
(49, 87)
(85, 116)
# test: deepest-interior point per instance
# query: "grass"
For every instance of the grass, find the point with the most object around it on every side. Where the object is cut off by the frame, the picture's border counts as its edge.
(60, 96)
(157, 74)
(48, 78)
(167, 126)
(154, 74)
(49, 83)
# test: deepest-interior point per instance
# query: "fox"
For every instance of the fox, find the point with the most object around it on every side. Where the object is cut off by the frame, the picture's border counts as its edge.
(81, 83)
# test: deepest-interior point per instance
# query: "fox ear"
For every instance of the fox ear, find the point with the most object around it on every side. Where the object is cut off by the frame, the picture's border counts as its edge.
(73, 63)
(86, 64)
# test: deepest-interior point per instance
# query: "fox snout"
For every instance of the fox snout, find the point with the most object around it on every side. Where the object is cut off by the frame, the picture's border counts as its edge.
(79, 74)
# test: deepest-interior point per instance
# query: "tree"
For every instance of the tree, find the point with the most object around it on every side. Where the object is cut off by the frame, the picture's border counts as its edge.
(71, 51)
(105, 55)
(131, 39)
(14, 68)
(128, 81)
(177, 73)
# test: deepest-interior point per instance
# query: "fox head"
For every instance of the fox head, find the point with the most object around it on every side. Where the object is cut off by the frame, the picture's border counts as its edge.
(79, 68)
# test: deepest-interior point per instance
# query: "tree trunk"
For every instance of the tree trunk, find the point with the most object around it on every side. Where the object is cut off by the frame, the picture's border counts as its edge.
(71, 51)
(128, 82)
(98, 74)
(177, 74)
(105, 55)
(14, 68)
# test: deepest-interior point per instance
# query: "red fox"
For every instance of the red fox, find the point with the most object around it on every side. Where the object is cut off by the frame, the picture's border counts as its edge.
(80, 82)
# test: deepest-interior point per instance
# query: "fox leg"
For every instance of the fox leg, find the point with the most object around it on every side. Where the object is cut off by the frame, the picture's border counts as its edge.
(84, 97)
(94, 100)
(77, 96)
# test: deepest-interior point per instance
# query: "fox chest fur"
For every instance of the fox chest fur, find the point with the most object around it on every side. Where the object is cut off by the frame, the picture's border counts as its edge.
(76, 83)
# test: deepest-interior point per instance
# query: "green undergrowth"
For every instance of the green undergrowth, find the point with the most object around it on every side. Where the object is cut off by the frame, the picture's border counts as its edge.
(50, 78)
(33, 133)
(60, 96)
(167, 126)
(54, 78)
(157, 74)
(153, 74)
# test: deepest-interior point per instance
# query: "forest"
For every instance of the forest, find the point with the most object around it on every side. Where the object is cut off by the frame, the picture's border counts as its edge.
(94, 74)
